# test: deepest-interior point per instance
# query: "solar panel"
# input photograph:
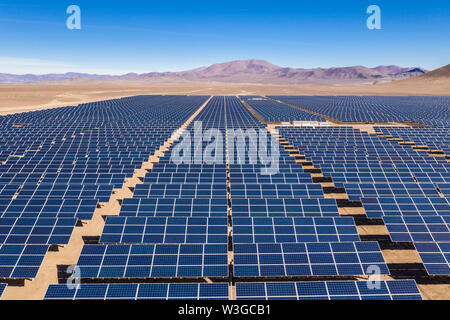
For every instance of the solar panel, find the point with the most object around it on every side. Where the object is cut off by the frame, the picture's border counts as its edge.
(435, 256)
(82, 209)
(276, 191)
(444, 188)
(375, 109)
(307, 259)
(180, 191)
(273, 111)
(2, 288)
(357, 191)
(329, 290)
(21, 261)
(101, 193)
(283, 230)
(281, 178)
(154, 261)
(173, 207)
(417, 228)
(36, 231)
(165, 230)
(379, 207)
(272, 207)
(185, 178)
(142, 291)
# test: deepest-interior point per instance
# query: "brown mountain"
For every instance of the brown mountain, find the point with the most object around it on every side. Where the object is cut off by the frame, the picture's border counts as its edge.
(260, 71)
(250, 71)
(441, 73)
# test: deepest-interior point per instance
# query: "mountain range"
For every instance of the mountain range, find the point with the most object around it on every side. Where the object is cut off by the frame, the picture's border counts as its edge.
(245, 71)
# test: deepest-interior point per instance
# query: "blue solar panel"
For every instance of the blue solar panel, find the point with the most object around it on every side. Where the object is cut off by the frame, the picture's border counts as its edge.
(172, 207)
(374, 109)
(282, 230)
(165, 230)
(272, 207)
(357, 191)
(101, 193)
(380, 207)
(307, 259)
(329, 290)
(142, 291)
(294, 191)
(435, 256)
(426, 228)
(21, 261)
(154, 261)
(2, 288)
(36, 231)
(48, 208)
(180, 191)
(273, 111)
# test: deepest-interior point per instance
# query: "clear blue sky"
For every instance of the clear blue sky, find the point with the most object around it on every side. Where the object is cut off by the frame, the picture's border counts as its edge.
(141, 36)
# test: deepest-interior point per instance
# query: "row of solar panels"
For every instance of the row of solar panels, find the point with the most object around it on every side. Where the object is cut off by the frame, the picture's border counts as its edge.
(320, 290)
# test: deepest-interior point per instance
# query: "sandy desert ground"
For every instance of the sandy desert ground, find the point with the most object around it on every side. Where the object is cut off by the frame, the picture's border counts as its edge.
(27, 97)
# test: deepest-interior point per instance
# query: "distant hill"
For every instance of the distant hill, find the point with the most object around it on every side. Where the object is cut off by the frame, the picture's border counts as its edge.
(24, 78)
(248, 71)
(440, 73)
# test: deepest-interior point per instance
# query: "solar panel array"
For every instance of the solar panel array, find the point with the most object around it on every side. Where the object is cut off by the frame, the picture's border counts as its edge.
(272, 111)
(436, 138)
(222, 214)
(403, 186)
(375, 108)
(59, 164)
(177, 223)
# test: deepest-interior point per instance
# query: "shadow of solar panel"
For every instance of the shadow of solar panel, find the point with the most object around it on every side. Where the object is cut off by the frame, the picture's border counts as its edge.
(329, 290)
(435, 257)
(21, 261)
(143, 291)
(308, 259)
